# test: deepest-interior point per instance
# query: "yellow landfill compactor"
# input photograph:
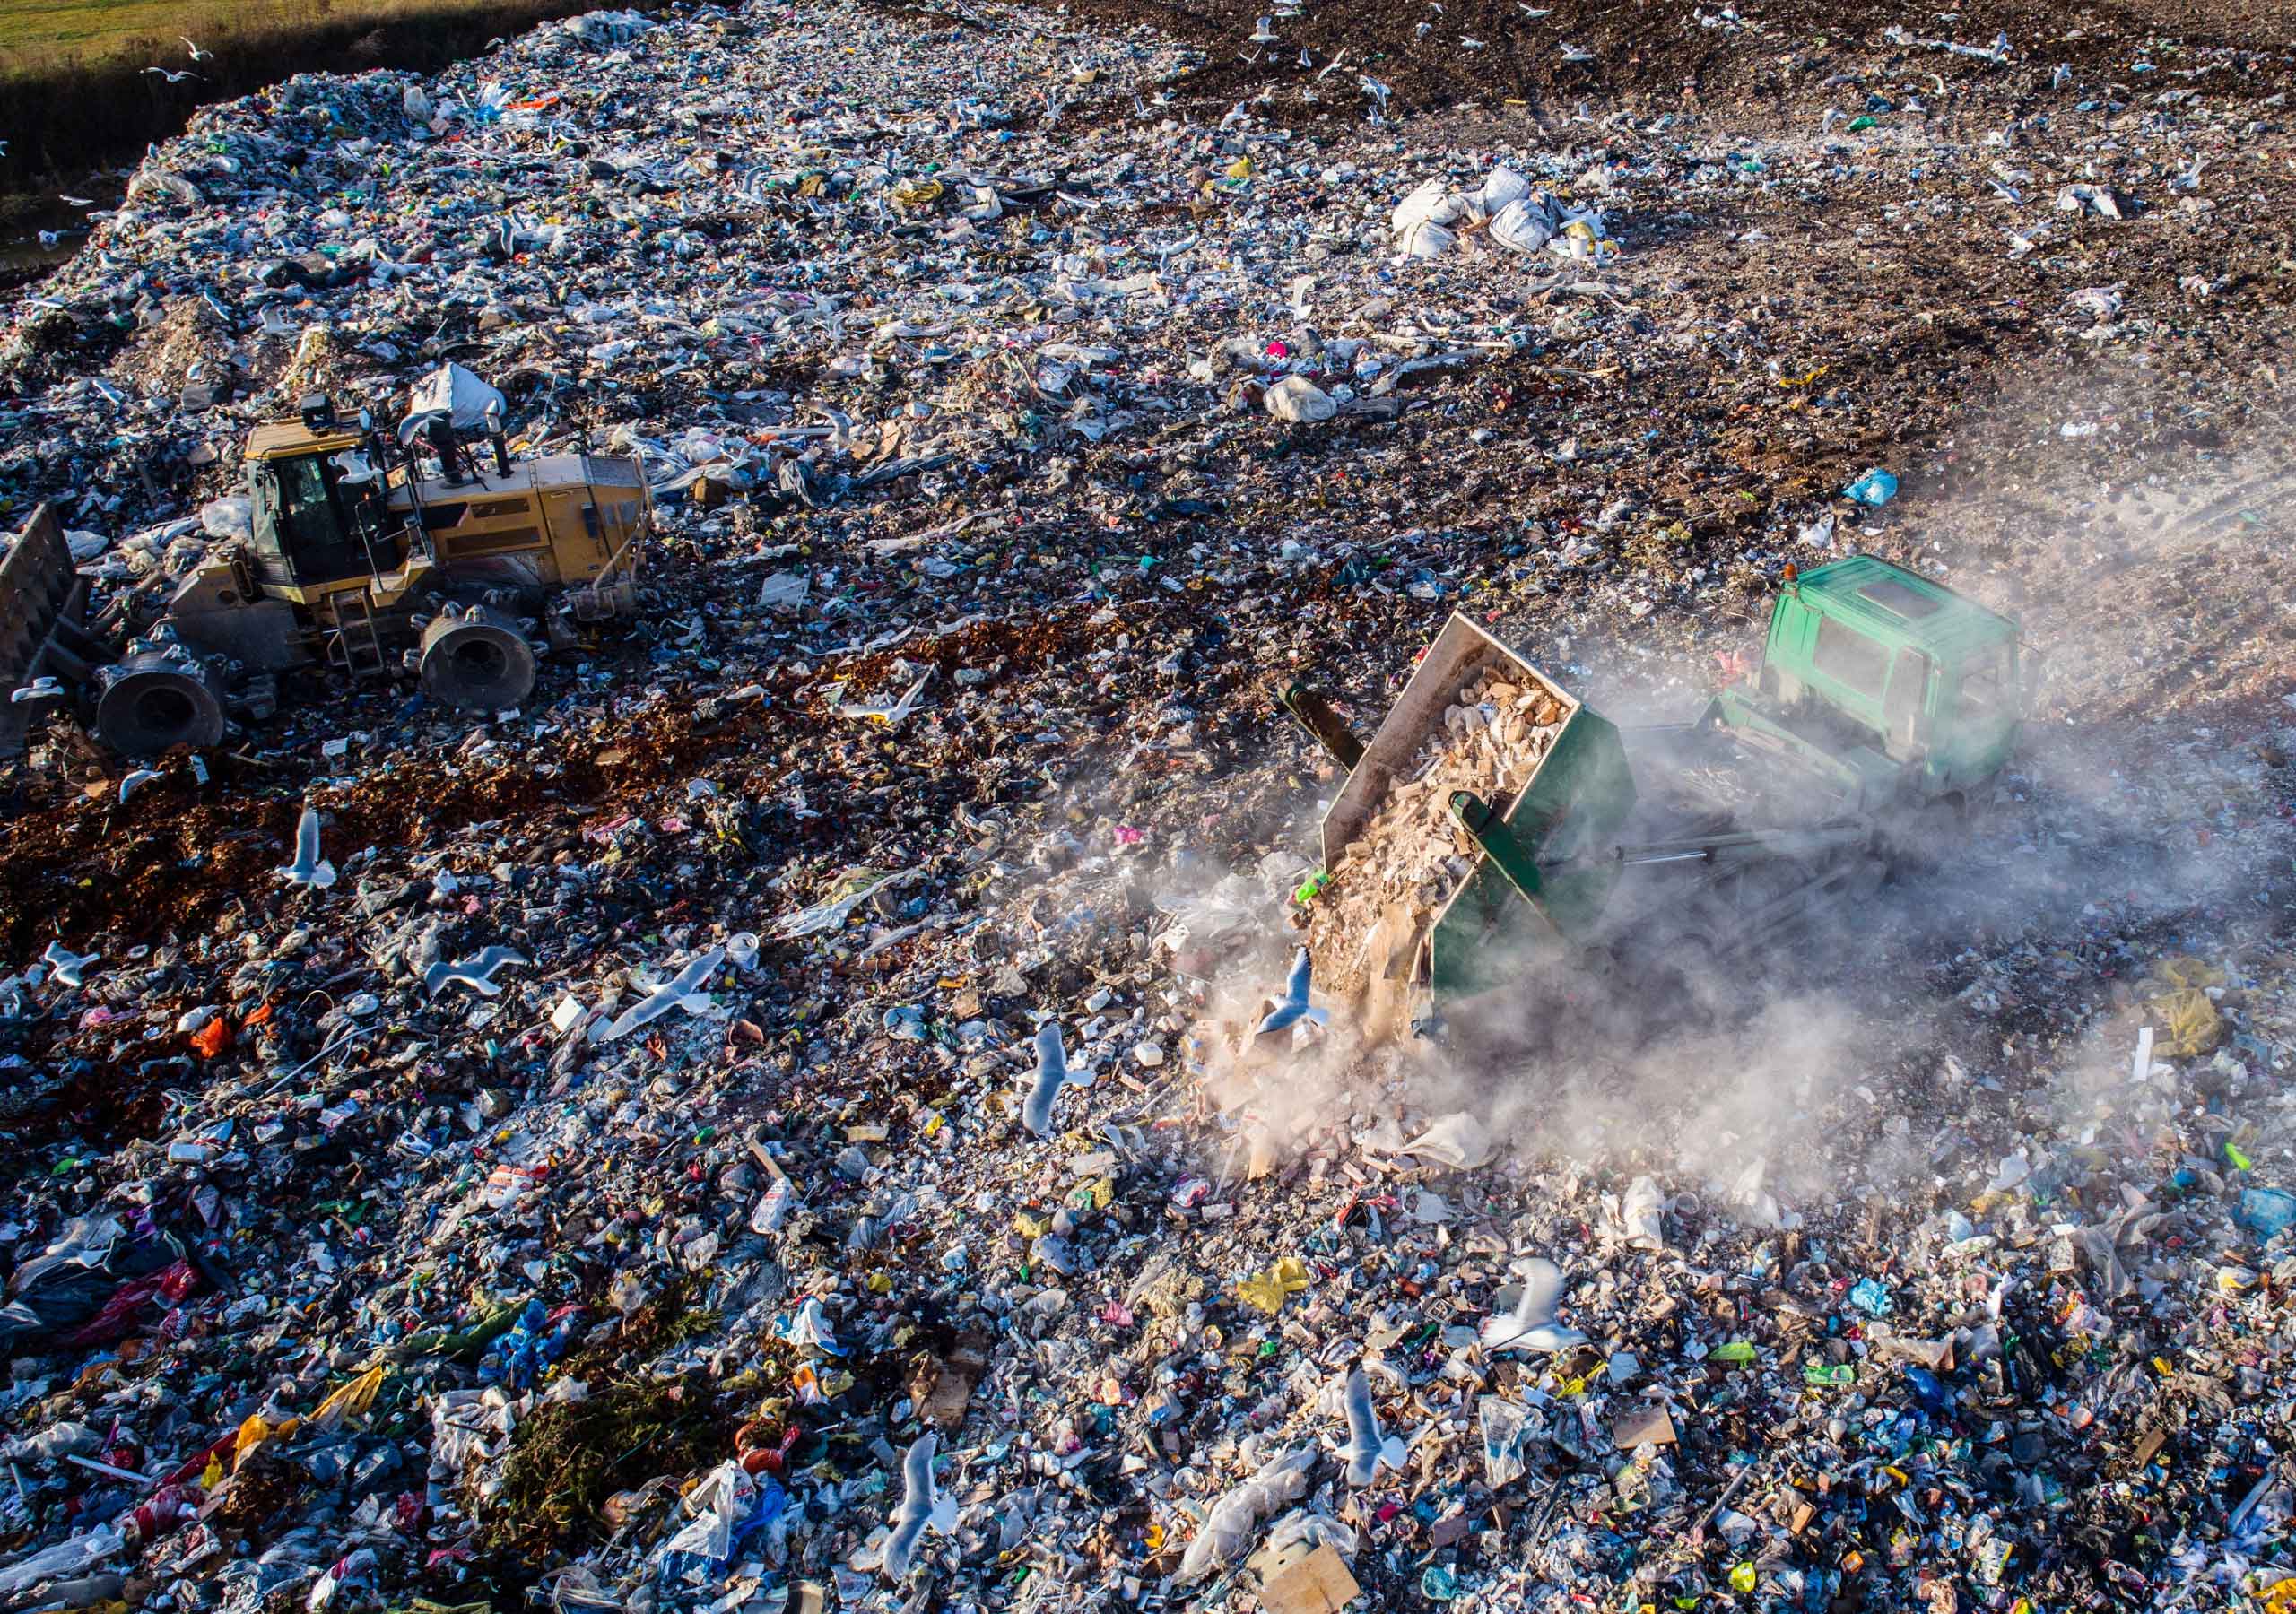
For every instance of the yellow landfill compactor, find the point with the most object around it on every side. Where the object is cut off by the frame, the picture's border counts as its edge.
(434, 553)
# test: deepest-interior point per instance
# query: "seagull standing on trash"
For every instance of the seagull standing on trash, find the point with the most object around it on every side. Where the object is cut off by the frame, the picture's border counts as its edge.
(921, 1504)
(1052, 1075)
(1368, 1449)
(1531, 1325)
(64, 964)
(477, 972)
(683, 993)
(1292, 1008)
(308, 870)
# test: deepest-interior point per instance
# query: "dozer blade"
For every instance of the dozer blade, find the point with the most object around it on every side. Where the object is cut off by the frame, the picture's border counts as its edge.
(38, 590)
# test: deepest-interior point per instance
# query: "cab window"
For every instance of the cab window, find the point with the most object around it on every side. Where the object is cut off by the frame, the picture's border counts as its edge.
(1850, 659)
(1987, 687)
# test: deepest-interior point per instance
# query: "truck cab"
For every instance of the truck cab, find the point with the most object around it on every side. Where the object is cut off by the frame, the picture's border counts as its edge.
(1901, 690)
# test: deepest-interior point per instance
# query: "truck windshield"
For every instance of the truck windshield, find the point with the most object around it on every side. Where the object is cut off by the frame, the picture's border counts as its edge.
(1850, 659)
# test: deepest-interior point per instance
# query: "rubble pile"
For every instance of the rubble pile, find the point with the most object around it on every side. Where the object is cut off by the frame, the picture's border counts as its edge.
(633, 1152)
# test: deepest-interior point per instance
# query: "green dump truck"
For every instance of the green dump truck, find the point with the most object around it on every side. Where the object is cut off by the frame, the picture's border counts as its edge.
(1884, 705)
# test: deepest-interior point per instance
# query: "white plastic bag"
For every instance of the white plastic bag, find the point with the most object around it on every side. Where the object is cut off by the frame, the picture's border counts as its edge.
(1297, 398)
(1501, 188)
(1433, 202)
(1222, 1539)
(1426, 239)
(1521, 227)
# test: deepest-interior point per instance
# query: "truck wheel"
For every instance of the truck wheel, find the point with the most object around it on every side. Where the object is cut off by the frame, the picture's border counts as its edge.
(1926, 839)
(153, 703)
(474, 659)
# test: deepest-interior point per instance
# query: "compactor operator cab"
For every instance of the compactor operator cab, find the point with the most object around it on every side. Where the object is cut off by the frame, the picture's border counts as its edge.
(320, 515)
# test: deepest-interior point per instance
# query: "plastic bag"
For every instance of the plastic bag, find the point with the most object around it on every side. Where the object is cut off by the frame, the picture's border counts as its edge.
(1297, 398)
(1433, 202)
(1522, 227)
(1222, 1539)
(1427, 240)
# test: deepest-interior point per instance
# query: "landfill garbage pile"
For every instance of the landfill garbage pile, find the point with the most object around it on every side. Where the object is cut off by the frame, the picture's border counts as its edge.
(756, 1129)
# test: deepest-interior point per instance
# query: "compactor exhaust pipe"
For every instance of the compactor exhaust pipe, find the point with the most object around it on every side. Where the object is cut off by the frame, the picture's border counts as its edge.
(474, 659)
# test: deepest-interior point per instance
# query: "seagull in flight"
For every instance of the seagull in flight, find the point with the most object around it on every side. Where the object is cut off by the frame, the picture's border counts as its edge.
(1531, 1325)
(1292, 1008)
(684, 992)
(75, 201)
(921, 1505)
(198, 55)
(1368, 1449)
(477, 972)
(175, 75)
(66, 964)
(1052, 1075)
(308, 870)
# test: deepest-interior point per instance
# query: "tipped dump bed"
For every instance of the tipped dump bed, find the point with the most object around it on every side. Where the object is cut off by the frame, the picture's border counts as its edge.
(1387, 919)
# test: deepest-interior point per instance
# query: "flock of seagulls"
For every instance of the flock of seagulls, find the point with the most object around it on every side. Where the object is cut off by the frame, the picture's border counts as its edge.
(176, 75)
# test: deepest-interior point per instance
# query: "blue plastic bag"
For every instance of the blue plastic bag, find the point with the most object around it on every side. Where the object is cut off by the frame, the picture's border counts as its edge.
(2265, 1212)
(1876, 488)
(1872, 1297)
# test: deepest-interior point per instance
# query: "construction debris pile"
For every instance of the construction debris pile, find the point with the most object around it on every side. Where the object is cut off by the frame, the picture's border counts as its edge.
(632, 1152)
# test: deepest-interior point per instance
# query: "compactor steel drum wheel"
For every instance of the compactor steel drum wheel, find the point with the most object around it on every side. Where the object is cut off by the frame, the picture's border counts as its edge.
(474, 659)
(156, 701)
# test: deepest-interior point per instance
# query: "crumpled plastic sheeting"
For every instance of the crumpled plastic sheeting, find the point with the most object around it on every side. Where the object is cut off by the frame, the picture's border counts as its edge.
(828, 916)
(1228, 1527)
(63, 1558)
